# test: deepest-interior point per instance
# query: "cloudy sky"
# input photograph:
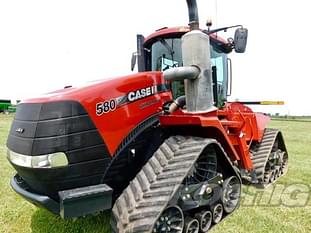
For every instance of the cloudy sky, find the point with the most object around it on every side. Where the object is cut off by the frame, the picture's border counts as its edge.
(46, 45)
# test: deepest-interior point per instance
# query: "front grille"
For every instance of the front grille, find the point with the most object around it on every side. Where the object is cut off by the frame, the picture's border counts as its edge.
(65, 126)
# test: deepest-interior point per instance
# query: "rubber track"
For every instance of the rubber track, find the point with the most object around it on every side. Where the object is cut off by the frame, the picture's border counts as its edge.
(142, 202)
(261, 156)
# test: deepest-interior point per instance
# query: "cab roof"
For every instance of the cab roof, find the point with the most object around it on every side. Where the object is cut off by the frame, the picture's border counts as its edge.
(177, 31)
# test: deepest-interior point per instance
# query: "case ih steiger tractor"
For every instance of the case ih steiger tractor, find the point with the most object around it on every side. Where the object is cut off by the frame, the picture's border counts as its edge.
(162, 148)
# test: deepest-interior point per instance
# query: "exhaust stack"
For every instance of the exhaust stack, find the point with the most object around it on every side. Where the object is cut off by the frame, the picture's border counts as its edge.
(193, 14)
(196, 52)
(197, 72)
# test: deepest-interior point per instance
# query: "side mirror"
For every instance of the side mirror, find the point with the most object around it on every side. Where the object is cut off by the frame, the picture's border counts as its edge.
(240, 40)
(133, 60)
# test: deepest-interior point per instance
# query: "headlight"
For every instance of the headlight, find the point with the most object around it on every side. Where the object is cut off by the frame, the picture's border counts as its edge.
(58, 159)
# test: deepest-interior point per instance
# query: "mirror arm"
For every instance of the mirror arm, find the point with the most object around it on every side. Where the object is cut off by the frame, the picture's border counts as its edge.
(221, 29)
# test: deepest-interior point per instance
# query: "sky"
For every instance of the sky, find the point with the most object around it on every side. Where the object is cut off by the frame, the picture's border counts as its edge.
(46, 45)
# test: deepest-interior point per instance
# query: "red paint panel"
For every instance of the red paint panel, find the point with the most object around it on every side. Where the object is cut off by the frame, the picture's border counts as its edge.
(262, 123)
(114, 125)
(238, 124)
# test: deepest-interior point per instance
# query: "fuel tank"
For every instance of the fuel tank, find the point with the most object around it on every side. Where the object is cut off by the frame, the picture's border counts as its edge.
(72, 137)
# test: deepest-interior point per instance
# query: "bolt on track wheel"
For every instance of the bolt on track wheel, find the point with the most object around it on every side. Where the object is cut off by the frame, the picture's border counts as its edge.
(205, 220)
(170, 221)
(217, 213)
(191, 225)
(231, 194)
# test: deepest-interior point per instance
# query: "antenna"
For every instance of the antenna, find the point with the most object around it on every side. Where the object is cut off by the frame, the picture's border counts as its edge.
(216, 14)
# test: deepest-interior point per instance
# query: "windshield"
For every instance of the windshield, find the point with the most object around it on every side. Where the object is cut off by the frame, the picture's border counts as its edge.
(166, 54)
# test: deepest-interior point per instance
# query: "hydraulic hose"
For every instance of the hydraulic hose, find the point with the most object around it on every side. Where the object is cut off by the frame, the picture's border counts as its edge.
(180, 102)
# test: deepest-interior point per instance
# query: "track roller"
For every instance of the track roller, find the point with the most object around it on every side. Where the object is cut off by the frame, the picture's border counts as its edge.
(171, 220)
(218, 211)
(231, 194)
(284, 164)
(205, 220)
(191, 225)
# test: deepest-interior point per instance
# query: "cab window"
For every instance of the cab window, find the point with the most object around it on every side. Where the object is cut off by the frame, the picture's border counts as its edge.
(166, 54)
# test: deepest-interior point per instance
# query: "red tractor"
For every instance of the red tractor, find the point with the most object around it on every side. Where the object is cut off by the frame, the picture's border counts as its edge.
(163, 148)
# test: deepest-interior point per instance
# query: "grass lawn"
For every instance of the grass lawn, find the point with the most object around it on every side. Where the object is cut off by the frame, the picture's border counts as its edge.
(260, 211)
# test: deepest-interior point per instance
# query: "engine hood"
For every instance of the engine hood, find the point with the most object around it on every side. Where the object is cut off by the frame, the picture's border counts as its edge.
(115, 106)
(99, 88)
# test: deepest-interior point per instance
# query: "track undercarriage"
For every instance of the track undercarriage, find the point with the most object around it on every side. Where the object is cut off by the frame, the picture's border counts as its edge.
(182, 188)
(270, 158)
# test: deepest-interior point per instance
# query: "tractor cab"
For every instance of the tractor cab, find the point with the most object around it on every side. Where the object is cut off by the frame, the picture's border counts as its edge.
(162, 51)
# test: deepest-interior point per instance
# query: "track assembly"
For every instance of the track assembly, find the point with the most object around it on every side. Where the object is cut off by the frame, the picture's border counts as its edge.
(178, 190)
(270, 158)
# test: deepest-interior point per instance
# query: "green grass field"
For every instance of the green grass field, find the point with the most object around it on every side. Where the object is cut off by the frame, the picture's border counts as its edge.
(260, 211)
